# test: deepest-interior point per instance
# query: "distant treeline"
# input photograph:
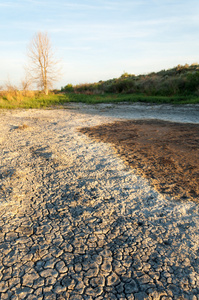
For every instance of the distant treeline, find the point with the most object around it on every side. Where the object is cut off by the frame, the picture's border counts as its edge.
(180, 80)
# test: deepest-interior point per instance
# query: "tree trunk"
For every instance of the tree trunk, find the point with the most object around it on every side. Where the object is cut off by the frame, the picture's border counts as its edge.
(46, 91)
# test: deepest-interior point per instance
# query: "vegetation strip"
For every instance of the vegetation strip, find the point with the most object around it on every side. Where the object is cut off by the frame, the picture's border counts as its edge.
(18, 100)
(179, 85)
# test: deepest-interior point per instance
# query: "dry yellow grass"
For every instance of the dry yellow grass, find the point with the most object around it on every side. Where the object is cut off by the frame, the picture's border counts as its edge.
(21, 127)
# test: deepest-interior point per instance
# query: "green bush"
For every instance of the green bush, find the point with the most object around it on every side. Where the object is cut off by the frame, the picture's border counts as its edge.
(192, 84)
(68, 88)
(178, 81)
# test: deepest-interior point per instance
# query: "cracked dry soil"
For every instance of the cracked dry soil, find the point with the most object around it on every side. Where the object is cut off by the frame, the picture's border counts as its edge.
(77, 223)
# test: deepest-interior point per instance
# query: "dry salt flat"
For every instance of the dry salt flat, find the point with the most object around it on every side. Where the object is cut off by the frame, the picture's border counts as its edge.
(76, 223)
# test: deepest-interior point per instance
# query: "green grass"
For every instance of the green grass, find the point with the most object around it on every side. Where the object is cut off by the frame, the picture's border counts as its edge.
(133, 98)
(42, 101)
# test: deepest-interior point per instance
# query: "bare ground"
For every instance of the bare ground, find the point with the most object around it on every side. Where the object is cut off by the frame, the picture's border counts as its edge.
(166, 153)
(77, 223)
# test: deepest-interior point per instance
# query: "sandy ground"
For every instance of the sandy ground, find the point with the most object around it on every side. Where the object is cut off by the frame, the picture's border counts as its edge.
(77, 223)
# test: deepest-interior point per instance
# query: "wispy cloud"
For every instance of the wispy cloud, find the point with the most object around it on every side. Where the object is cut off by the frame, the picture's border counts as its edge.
(69, 5)
(113, 31)
(81, 5)
(9, 4)
(75, 48)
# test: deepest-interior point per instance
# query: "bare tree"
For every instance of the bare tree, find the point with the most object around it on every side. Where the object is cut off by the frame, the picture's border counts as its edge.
(42, 67)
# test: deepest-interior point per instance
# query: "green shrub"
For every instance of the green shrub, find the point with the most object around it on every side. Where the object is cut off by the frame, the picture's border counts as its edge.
(192, 84)
(180, 80)
(68, 88)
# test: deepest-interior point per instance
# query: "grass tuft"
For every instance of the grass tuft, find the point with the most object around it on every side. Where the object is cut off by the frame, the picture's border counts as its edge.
(22, 127)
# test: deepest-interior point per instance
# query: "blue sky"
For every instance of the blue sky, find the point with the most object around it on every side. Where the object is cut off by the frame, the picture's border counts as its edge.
(99, 40)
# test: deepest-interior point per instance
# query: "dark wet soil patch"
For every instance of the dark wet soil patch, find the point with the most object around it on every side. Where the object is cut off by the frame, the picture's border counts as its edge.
(167, 153)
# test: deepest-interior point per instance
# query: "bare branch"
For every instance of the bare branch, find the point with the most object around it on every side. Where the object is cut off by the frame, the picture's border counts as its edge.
(26, 83)
(9, 87)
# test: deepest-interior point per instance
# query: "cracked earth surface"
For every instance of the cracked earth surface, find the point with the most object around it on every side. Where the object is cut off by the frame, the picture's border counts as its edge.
(76, 223)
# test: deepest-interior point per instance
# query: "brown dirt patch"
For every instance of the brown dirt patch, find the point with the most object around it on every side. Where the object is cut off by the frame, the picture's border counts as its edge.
(166, 153)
